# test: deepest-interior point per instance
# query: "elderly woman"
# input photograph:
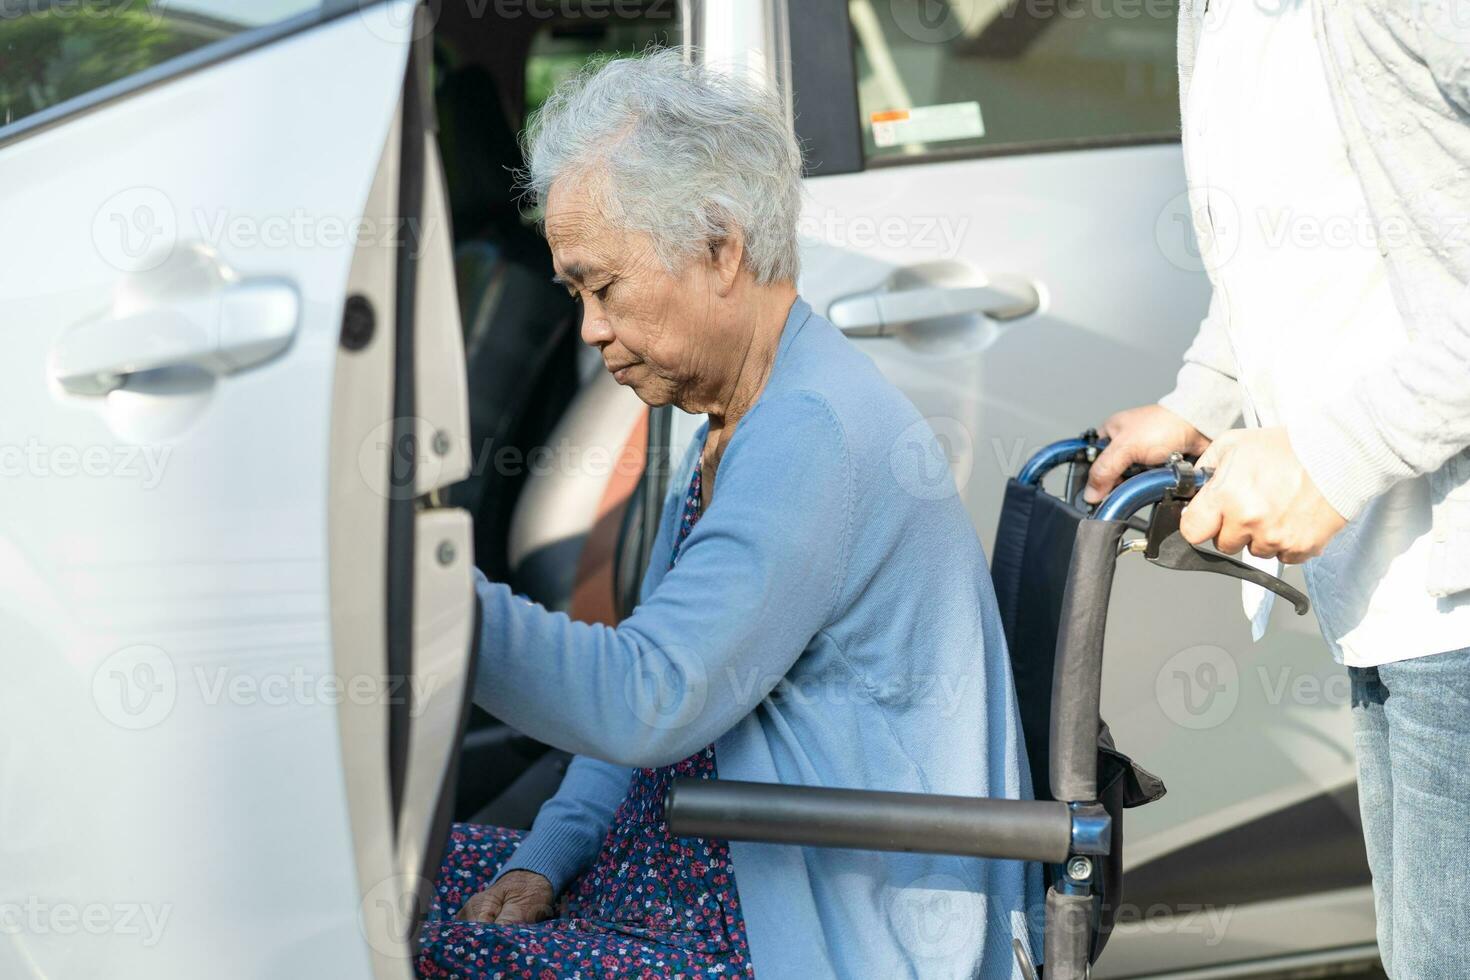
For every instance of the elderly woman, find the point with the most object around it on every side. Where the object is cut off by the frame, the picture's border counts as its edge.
(805, 619)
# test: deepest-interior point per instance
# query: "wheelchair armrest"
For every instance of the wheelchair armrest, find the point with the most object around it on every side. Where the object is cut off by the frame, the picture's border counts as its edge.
(1025, 830)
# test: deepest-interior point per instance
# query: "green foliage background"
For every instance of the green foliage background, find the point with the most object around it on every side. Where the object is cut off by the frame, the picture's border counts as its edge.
(49, 56)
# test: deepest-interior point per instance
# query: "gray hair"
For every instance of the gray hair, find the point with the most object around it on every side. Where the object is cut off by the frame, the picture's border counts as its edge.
(682, 152)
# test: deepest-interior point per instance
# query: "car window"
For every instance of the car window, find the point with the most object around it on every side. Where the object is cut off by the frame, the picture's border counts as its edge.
(596, 31)
(54, 51)
(954, 77)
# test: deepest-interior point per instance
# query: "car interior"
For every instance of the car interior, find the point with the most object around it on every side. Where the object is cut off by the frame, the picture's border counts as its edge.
(557, 485)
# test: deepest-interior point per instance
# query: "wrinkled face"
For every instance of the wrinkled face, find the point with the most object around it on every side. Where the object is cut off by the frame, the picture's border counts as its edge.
(657, 332)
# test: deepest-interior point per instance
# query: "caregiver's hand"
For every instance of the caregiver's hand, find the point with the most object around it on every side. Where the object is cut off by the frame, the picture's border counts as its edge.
(1147, 435)
(1259, 497)
(517, 897)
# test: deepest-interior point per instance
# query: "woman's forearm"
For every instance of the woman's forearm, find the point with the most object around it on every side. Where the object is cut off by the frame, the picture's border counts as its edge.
(757, 578)
(570, 826)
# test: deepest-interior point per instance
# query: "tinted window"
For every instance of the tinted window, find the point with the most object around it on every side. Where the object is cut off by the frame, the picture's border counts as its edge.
(55, 50)
(938, 76)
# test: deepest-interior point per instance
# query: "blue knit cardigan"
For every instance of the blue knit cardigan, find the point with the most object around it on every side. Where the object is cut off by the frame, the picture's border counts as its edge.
(830, 622)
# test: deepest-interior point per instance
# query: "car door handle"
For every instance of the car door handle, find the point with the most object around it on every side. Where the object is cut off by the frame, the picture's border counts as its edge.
(876, 314)
(224, 330)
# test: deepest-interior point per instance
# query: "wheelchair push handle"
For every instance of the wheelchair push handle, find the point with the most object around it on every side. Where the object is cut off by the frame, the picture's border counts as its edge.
(1083, 451)
(1168, 489)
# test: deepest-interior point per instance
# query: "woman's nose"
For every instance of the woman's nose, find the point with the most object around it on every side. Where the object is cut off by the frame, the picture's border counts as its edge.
(596, 329)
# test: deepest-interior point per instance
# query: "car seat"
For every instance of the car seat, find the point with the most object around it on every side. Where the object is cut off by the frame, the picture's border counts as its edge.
(519, 328)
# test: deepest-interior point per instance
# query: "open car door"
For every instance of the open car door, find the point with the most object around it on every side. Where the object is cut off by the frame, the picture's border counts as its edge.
(236, 623)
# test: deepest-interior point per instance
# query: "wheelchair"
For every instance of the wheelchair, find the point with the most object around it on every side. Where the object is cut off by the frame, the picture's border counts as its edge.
(1052, 566)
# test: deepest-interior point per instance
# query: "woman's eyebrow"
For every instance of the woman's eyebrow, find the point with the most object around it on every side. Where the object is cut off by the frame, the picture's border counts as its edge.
(575, 275)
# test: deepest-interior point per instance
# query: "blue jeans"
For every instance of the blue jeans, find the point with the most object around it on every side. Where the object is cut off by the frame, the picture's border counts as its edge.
(1412, 729)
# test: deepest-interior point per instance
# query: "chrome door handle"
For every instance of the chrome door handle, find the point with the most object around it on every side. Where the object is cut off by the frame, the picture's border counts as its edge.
(222, 330)
(875, 314)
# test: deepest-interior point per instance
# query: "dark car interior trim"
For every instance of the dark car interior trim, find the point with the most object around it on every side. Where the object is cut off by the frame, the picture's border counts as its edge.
(824, 87)
(403, 457)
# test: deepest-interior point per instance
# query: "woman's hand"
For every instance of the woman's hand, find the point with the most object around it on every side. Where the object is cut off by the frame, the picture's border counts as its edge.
(1147, 435)
(517, 897)
(1260, 497)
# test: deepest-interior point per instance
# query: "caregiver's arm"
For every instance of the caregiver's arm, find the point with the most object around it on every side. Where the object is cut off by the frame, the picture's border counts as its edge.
(1204, 403)
(1402, 420)
(1207, 390)
(1412, 413)
(756, 579)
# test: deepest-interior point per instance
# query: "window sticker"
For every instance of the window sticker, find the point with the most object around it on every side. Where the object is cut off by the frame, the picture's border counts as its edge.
(928, 124)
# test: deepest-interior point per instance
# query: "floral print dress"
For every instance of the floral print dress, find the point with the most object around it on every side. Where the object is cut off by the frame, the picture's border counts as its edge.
(651, 906)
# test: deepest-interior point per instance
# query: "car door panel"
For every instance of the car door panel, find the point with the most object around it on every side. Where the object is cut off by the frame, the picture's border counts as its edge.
(172, 750)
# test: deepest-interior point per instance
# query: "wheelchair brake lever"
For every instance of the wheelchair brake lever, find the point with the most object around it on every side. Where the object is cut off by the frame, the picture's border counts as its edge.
(1166, 547)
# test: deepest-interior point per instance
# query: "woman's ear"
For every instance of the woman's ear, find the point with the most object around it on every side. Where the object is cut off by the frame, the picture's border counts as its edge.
(726, 254)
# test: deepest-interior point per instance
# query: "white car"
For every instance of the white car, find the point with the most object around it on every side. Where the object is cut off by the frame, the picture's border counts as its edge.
(282, 359)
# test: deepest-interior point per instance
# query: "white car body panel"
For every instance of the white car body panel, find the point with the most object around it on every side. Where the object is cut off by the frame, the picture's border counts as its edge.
(172, 797)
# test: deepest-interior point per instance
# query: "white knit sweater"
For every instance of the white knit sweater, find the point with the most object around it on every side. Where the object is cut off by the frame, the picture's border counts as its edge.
(1400, 80)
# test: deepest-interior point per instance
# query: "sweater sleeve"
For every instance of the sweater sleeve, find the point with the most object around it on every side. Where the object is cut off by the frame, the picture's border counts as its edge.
(571, 826)
(1404, 419)
(1441, 39)
(1206, 392)
(757, 578)
(1411, 414)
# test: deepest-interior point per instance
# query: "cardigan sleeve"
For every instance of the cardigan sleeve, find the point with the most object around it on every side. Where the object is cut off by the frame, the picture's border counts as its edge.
(1440, 35)
(1411, 414)
(1207, 392)
(571, 826)
(758, 577)
(1402, 420)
